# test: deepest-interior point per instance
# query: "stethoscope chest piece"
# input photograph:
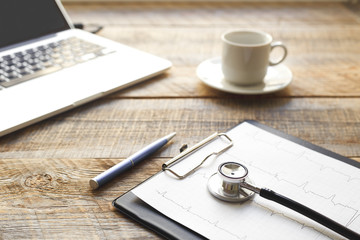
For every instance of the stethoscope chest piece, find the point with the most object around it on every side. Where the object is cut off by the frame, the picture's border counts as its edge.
(225, 183)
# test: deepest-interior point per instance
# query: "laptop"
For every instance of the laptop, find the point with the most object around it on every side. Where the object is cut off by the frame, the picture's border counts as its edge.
(48, 67)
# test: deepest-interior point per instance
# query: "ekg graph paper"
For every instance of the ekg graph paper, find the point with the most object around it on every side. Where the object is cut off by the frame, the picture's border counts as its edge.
(318, 181)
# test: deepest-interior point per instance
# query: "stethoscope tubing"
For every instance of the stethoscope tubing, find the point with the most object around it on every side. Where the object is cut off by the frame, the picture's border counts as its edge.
(308, 212)
(234, 175)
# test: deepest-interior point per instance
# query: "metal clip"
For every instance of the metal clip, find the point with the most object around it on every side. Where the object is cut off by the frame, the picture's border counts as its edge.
(167, 166)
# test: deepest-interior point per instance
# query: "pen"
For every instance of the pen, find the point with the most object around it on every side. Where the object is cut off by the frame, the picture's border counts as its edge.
(128, 163)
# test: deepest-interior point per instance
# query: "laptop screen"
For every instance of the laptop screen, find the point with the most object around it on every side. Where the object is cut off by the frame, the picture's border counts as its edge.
(22, 20)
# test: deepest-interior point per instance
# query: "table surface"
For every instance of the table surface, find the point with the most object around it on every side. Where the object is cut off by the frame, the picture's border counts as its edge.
(45, 168)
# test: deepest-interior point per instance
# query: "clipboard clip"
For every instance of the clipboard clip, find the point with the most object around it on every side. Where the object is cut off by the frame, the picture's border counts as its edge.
(167, 166)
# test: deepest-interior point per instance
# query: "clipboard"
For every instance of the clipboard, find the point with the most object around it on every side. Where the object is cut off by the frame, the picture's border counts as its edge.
(133, 207)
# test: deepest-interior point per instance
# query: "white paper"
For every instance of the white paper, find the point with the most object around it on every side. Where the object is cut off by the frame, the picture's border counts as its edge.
(324, 184)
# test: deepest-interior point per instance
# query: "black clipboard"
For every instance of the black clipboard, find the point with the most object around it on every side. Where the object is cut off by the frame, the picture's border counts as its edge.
(133, 207)
(130, 205)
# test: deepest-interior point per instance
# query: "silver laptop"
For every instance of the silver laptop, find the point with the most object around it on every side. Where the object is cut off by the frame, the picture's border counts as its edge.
(48, 67)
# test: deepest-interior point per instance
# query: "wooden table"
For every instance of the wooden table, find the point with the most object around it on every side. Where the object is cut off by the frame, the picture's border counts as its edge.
(45, 168)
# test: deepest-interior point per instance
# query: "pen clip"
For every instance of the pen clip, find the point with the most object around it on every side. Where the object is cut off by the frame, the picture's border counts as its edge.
(167, 166)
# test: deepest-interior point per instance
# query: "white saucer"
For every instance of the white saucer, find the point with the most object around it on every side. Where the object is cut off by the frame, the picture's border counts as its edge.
(278, 77)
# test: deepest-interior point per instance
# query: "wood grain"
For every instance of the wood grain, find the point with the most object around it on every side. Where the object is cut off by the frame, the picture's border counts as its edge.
(45, 168)
(214, 13)
(51, 199)
(112, 128)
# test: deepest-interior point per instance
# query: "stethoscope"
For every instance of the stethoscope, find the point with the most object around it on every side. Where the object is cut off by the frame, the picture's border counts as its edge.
(231, 183)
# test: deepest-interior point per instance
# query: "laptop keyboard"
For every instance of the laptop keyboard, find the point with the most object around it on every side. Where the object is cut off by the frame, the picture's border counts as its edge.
(31, 63)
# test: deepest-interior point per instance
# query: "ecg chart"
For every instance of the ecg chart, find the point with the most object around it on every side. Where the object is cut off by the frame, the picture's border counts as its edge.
(325, 184)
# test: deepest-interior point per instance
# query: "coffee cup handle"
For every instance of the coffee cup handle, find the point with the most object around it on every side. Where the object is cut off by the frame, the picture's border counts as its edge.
(278, 44)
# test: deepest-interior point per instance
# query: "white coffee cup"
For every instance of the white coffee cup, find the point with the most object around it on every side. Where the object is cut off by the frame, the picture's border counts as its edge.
(245, 56)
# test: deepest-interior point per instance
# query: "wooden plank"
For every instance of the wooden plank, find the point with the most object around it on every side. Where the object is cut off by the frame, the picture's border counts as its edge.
(214, 14)
(113, 128)
(51, 199)
(323, 41)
